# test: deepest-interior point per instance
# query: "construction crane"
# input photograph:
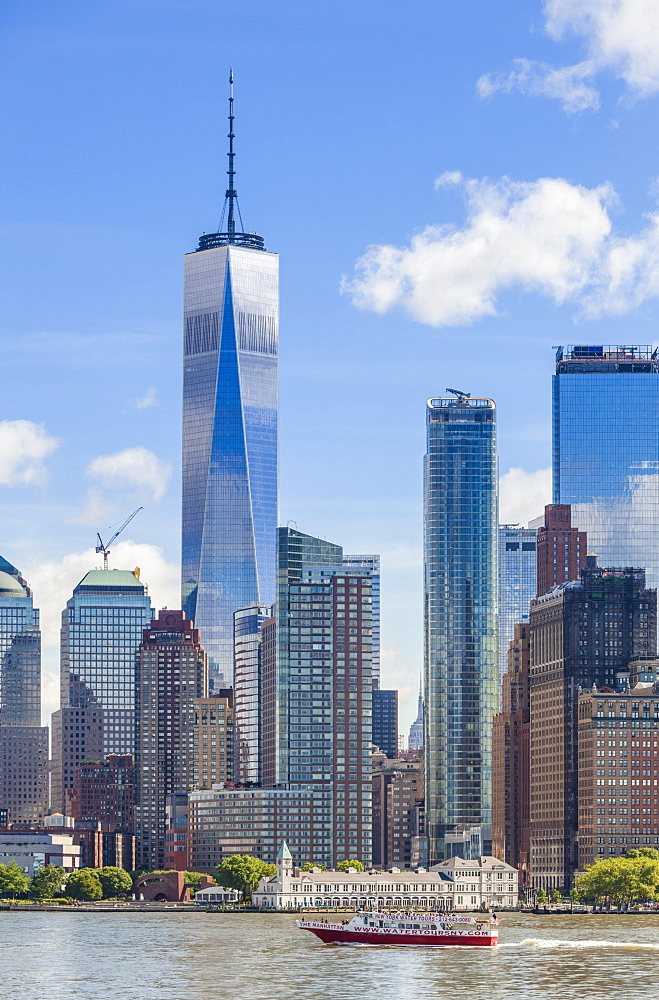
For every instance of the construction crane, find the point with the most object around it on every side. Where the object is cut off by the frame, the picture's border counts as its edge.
(104, 547)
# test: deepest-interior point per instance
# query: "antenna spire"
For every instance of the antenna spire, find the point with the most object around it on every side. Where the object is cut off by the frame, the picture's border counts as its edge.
(231, 208)
(231, 194)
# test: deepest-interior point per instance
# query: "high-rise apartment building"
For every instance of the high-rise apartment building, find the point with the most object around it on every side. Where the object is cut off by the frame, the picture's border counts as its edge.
(213, 740)
(172, 672)
(510, 759)
(104, 792)
(606, 450)
(101, 631)
(248, 624)
(317, 690)
(77, 736)
(460, 614)
(23, 741)
(372, 564)
(230, 400)
(397, 798)
(562, 549)
(618, 803)
(582, 633)
(517, 583)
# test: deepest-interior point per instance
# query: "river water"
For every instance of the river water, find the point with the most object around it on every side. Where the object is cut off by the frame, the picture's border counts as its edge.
(158, 956)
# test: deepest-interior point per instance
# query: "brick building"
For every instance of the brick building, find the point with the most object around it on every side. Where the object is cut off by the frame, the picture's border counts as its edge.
(562, 549)
(397, 797)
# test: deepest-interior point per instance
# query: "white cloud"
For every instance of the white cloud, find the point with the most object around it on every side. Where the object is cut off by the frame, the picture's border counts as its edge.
(566, 84)
(523, 495)
(619, 36)
(136, 469)
(146, 401)
(23, 447)
(547, 236)
(52, 584)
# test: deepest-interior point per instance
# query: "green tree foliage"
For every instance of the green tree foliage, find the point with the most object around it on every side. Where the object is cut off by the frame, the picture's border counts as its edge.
(47, 881)
(243, 872)
(642, 852)
(352, 863)
(114, 881)
(84, 884)
(13, 881)
(313, 864)
(621, 880)
(555, 896)
(541, 896)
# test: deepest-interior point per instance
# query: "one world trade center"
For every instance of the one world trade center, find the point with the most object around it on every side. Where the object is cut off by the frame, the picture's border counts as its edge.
(230, 395)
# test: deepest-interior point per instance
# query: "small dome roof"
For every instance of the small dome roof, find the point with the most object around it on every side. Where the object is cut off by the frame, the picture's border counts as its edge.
(9, 584)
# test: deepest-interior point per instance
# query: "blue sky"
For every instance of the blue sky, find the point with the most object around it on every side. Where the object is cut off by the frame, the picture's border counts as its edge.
(540, 121)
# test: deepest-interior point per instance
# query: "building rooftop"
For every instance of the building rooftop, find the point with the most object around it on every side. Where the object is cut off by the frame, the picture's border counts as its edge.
(99, 579)
(10, 585)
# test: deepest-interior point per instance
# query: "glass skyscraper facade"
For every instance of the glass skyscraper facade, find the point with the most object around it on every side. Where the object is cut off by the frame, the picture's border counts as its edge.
(248, 623)
(606, 450)
(230, 399)
(101, 631)
(517, 583)
(23, 740)
(460, 614)
(372, 564)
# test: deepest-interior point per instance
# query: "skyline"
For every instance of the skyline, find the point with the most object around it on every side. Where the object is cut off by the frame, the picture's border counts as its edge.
(91, 246)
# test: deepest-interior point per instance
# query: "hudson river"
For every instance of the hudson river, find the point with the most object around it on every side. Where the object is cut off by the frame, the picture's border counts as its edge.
(57, 956)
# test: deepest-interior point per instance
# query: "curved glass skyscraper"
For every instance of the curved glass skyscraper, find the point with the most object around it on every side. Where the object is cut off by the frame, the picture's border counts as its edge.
(460, 614)
(230, 399)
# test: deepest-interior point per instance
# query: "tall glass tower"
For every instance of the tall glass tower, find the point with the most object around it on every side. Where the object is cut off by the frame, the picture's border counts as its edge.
(460, 614)
(517, 583)
(230, 399)
(606, 450)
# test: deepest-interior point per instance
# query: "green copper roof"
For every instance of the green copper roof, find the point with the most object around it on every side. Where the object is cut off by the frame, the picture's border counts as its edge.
(9, 584)
(99, 578)
(284, 854)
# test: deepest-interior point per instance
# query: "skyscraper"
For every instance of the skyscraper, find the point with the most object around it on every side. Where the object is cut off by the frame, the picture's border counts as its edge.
(415, 740)
(248, 623)
(460, 614)
(101, 630)
(23, 741)
(606, 450)
(561, 548)
(172, 671)
(372, 564)
(517, 583)
(230, 399)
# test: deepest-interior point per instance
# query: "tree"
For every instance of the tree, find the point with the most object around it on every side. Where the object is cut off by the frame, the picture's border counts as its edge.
(13, 880)
(114, 881)
(84, 884)
(555, 896)
(541, 896)
(243, 872)
(621, 880)
(353, 863)
(313, 864)
(47, 881)
(642, 852)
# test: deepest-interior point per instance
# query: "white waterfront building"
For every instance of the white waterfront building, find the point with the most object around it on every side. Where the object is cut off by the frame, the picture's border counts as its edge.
(453, 884)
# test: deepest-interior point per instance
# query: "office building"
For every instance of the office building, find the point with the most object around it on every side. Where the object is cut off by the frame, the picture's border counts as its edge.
(517, 583)
(23, 741)
(172, 672)
(511, 790)
(248, 623)
(77, 736)
(582, 633)
(618, 803)
(213, 731)
(561, 548)
(385, 721)
(397, 799)
(101, 632)
(104, 792)
(606, 450)
(231, 330)
(372, 564)
(460, 614)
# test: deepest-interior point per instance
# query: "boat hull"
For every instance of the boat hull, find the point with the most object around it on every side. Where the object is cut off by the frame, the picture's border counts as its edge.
(333, 934)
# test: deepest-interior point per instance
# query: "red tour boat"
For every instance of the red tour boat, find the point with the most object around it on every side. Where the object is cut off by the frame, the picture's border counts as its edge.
(427, 930)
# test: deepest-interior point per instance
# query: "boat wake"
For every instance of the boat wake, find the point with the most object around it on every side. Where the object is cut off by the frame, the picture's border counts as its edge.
(542, 943)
